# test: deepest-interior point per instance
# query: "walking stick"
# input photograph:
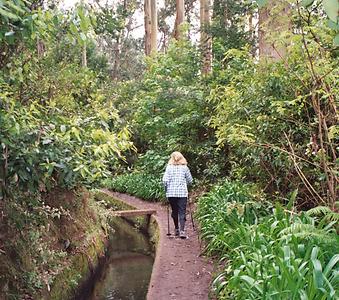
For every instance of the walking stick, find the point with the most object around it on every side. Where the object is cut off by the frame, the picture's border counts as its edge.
(168, 226)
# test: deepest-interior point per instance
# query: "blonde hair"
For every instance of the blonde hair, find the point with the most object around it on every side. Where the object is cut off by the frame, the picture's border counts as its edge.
(177, 159)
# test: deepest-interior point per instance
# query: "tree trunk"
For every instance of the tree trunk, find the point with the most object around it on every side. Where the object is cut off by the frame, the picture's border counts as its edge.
(147, 12)
(205, 39)
(154, 26)
(180, 8)
(40, 48)
(273, 19)
(116, 63)
(84, 56)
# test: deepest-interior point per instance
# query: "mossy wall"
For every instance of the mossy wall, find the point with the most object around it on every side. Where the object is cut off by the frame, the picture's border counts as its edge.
(48, 257)
(85, 264)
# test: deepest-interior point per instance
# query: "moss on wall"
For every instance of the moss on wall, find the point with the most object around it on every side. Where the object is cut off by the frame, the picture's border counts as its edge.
(49, 258)
(80, 267)
(83, 264)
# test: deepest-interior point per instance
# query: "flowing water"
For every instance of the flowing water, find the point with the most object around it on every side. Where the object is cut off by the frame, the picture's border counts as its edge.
(126, 272)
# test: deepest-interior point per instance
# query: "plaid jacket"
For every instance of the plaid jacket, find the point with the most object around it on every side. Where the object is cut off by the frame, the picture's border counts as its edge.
(176, 179)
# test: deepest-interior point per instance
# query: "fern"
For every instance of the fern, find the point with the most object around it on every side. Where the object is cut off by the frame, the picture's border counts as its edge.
(332, 217)
(297, 228)
(319, 210)
(327, 215)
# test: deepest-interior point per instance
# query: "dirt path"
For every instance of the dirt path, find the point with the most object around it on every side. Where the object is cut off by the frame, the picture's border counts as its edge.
(179, 273)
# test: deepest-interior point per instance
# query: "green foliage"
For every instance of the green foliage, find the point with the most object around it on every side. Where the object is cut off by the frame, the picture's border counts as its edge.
(264, 111)
(58, 125)
(224, 208)
(47, 145)
(145, 186)
(269, 253)
(325, 214)
(331, 8)
(168, 112)
(227, 28)
(12, 16)
(152, 163)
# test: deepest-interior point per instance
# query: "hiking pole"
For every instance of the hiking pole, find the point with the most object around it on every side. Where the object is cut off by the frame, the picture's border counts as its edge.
(189, 207)
(168, 226)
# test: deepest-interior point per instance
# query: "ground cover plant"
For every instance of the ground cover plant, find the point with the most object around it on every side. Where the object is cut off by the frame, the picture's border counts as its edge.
(145, 186)
(268, 252)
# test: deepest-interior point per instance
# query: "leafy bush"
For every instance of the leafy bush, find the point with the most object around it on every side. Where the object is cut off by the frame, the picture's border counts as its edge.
(270, 253)
(145, 186)
(269, 114)
(168, 112)
(47, 145)
(152, 162)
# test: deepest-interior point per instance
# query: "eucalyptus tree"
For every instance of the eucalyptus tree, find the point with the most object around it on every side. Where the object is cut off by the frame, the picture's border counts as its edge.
(154, 26)
(114, 39)
(147, 17)
(231, 28)
(179, 20)
(151, 26)
(205, 38)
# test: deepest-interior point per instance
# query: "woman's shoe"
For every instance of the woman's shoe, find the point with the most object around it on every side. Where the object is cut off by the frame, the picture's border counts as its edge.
(177, 232)
(183, 235)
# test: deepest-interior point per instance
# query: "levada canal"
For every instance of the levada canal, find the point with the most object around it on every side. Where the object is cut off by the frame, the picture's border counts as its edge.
(125, 272)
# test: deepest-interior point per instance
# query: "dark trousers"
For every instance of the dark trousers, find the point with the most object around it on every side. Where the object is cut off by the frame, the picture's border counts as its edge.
(178, 205)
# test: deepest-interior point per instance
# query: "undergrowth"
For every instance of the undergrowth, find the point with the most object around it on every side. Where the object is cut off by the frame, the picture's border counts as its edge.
(268, 252)
(145, 186)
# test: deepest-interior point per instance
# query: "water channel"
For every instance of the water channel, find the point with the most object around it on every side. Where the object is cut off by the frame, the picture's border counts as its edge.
(126, 270)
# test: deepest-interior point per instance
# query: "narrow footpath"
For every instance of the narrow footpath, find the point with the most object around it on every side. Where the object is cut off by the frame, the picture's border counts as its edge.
(179, 272)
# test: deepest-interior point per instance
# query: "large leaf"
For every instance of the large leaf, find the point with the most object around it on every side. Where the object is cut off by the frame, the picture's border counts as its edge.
(336, 40)
(331, 8)
(334, 260)
(317, 273)
(8, 14)
(307, 3)
(261, 3)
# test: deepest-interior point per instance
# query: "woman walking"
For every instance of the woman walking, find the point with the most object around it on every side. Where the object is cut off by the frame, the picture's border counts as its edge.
(176, 178)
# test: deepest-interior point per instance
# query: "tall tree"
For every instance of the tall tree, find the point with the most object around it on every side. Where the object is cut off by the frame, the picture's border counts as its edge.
(205, 38)
(147, 12)
(180, 15)
(114, 24)
(154, 26)
(84, 55)
(230, 27)
(151, 26)
(190, 15)
(274, 18)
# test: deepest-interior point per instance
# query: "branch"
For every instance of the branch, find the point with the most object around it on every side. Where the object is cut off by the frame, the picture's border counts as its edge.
(301, 174)
(305, 45)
